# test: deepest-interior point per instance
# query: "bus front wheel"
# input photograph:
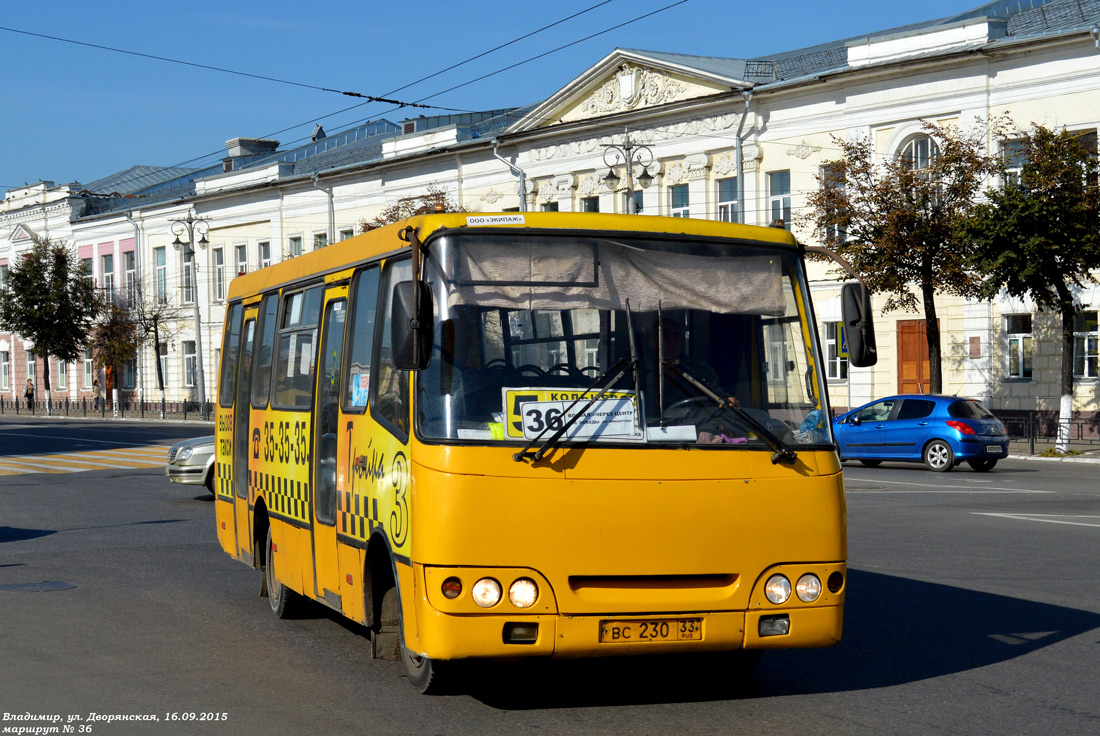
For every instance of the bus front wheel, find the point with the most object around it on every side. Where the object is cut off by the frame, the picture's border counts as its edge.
(423, 673)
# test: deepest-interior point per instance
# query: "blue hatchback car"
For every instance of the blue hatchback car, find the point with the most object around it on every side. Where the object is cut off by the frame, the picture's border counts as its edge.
(940, 431)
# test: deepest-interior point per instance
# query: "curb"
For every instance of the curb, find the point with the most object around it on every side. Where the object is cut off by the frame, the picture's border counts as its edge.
(1066, 459)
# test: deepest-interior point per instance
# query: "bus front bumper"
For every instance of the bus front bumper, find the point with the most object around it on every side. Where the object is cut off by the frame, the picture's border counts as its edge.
(446, 636)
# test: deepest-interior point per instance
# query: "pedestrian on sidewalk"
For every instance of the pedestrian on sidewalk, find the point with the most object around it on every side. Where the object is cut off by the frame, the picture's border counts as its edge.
(97, 394)
(28, 394)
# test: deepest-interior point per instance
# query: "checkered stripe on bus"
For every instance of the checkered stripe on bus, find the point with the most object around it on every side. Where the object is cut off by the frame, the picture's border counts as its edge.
(285, 497)
(358, 514)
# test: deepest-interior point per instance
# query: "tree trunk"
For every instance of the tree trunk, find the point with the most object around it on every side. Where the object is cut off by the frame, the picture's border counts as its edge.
(932, 332)
(1065, 404)
(46, 382)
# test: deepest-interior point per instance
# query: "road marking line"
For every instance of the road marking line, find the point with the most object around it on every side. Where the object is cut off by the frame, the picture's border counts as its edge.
(1032, 517)
(125, 463)
(925, 487)
(6, 471)
(27, 466)
(110, 455)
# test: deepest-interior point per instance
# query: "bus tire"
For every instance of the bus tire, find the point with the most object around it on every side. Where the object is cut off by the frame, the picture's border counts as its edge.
(388, 641)
(285, 603)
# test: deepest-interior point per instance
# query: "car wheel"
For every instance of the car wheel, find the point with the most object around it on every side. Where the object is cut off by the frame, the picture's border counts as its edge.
(983, 466)
(209, 482)
(939, 456)
(871, 463)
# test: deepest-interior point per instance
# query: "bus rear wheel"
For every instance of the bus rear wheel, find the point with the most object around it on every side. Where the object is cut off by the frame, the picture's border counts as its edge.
(285, 603)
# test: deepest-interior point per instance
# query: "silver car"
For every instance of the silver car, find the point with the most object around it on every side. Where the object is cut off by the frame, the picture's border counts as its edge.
(192, 462)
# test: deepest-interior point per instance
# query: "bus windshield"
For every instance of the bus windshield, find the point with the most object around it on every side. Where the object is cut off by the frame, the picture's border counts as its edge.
(630, 340)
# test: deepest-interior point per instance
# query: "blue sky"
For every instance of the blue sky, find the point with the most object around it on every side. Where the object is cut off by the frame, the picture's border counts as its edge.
(73, 113)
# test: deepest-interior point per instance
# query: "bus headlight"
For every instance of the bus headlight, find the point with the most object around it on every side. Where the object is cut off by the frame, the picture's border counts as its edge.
(523, 593)
(777, 589)
(808, 588)
(486, 592)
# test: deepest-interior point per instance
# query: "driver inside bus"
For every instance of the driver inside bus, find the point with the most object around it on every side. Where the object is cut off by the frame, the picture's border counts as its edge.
(677, 388)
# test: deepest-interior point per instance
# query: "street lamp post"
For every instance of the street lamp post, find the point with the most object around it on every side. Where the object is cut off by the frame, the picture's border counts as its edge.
(630, 153)
(191, 225)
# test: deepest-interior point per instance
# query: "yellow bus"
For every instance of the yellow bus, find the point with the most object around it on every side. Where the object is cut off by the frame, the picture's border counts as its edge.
(539, 435)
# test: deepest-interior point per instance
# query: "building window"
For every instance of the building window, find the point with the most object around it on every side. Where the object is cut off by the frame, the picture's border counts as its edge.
(320, 240)
(1014, 153)
(1018, 330)
(62, 375)
(294, 248)
(779, 198)
(919, 153)
(240, 258)
(550, 207)
(5, 369)
(638, 203)
(129, 374)
(89, 369)
(188, 290)
(265, 254)
(729, 209)
(3, 277)
(87, 264)
(32, 372)
(346, 232)
(1085, 345)
(129, 277)
(590, 204)
(107, 273)
(219, 274)
(160, 259)
(678, 201)
(162, 358)
(832, 180)
(836, 350)
(190, 366)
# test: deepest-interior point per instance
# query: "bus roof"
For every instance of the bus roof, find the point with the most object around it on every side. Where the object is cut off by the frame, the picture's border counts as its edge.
(348, 253)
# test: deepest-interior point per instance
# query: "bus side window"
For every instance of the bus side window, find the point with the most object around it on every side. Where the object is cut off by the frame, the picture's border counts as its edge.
(227, 382)
(261, 359)
(389, 391)
(364, 307)
(296, 353)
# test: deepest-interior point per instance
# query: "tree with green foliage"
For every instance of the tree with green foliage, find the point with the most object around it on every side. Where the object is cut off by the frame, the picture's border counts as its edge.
(49, 301)
(898, 219)
(1038, 236)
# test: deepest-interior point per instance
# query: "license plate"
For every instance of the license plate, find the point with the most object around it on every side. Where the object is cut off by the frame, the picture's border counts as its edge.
(994, 448)
(650, 630)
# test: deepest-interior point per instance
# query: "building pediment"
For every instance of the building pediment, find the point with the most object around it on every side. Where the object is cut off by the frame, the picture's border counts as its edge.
(22, 235)
(627, 80)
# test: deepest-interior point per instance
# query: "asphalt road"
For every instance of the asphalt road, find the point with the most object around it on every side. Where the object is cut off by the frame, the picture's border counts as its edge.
(973, 608)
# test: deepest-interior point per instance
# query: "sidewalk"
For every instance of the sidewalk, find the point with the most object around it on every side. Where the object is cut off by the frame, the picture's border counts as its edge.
(1020, 449)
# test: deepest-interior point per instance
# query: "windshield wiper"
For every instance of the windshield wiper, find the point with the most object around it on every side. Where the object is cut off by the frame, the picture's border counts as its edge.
(619, 369)
(780, 451)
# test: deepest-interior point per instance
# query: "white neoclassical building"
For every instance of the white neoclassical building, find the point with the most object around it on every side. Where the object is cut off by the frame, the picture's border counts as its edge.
(717, 138)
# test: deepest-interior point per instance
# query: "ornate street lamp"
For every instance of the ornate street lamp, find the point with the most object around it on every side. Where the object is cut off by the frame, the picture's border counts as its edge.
(630, 153)
(190, 226)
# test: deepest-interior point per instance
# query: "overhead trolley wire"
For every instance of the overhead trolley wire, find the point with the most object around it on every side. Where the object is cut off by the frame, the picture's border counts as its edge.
(369, 98)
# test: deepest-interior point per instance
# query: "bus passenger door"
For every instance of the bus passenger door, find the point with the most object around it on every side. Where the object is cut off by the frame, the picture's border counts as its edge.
(242, 443)
(325, 440)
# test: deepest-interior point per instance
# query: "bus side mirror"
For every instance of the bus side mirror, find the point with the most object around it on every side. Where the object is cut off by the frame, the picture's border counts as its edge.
(859, 326)
(412, 338)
